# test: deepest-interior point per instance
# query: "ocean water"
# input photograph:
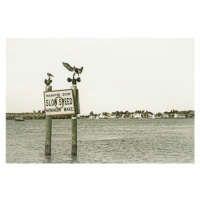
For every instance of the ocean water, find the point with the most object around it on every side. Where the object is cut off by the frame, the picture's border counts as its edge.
(103, 141)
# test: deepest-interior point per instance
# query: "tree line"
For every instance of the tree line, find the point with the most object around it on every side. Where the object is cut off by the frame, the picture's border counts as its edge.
(38, 115)
(144, 113)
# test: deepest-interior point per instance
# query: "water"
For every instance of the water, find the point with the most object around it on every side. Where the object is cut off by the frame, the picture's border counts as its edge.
(103, 141)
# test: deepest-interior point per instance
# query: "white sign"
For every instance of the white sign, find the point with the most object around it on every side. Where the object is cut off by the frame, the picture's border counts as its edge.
(59, 102)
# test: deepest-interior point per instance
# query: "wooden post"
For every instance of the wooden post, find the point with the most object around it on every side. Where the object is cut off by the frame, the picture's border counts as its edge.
(74, 123)
(48, 130)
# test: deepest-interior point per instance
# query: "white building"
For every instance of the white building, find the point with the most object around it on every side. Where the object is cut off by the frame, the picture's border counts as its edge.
(91, 117)
(175, 115)
(101, 116)
(137, 115)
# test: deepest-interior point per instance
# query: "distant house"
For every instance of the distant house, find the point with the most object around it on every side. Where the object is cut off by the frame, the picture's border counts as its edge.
(165, 115)
(113, 116)
(151, 116)
(91, 117)
(175, 115)
(101, 116)
(131, 116)
(182, 116)
(83, 117)
(137, 115)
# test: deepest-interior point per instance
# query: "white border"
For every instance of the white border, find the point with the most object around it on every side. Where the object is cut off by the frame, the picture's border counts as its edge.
(100, 19)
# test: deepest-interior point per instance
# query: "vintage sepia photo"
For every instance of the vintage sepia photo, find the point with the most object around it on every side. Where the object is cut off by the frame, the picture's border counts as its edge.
(100, 100)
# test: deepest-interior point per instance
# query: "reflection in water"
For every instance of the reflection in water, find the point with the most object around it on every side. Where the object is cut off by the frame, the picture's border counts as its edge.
(103, 141)
(48, 159)
(73, 159)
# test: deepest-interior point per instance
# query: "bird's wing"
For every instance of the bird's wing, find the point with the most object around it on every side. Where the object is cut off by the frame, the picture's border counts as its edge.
(68, 67)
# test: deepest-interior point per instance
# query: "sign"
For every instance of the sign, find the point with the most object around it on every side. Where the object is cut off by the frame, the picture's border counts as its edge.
(59, 102)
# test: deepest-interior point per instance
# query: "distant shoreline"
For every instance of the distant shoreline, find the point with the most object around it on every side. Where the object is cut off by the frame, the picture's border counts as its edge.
(30, 116)
(12, 116)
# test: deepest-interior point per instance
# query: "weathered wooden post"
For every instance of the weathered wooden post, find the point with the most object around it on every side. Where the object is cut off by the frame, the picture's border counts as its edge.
(48, 121)
(76, 104)
(48, 131)
(74, 123)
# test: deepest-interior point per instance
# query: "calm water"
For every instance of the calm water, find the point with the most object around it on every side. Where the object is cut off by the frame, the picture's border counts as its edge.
(103, 141)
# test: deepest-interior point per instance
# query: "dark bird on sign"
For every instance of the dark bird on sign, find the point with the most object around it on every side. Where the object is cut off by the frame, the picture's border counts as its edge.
(71, 69)
(47, 82)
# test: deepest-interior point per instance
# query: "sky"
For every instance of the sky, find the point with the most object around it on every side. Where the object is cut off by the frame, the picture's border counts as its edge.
(119, 74)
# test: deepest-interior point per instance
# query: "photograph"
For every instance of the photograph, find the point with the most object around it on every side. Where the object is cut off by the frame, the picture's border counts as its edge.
(100, 101)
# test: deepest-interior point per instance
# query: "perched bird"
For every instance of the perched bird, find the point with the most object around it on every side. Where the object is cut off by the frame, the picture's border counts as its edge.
(49, 74)
(47, 82)
(71, 69)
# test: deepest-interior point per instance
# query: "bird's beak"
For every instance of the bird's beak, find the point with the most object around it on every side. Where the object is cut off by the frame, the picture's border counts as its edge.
(81, 70)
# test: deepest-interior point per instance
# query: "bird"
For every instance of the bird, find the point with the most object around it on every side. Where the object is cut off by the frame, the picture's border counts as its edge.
(71, 69)
(47, 82)
(49, 74)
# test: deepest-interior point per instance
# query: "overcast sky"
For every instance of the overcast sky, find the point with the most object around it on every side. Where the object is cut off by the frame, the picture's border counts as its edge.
(118, 75)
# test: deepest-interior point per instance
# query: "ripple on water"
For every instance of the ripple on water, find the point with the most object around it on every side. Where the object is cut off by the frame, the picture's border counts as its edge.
(103, 141)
